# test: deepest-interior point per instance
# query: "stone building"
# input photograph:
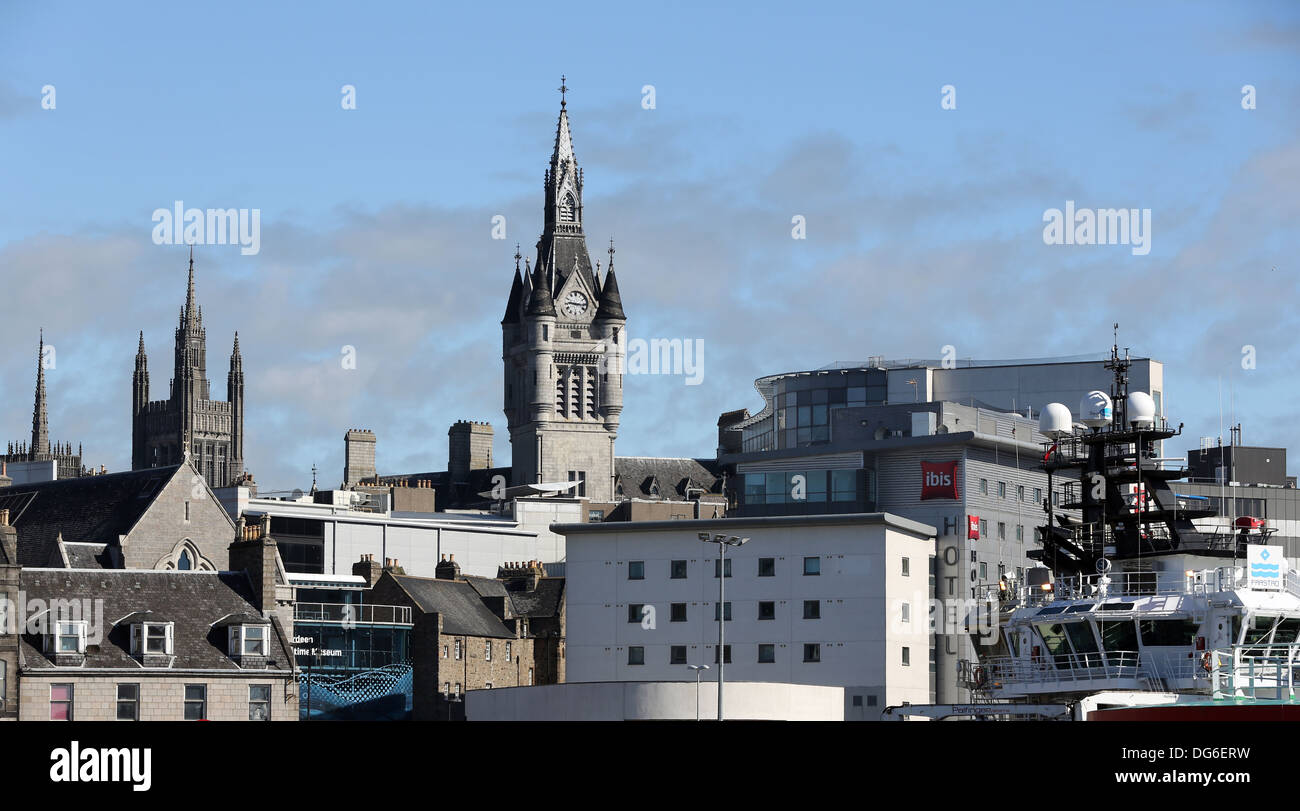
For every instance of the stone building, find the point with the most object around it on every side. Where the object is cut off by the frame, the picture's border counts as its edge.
(126, 644)
(211, 430)
(41, 449)
(157, 518)
(476, 633)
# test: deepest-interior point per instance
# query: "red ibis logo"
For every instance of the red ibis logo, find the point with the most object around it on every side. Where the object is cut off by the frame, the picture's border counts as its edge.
(938, 480)
(973, 527)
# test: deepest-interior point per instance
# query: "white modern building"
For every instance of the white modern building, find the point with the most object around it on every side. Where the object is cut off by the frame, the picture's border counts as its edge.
(328, 538)
(833, 600)
(656, 701)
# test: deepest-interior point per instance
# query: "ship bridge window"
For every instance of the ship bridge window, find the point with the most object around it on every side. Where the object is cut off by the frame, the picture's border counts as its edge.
(1055, 642)
(1165, 633)
(1119, 635)
(1052, 609)
(1012, 641)
(1081, 637)
(1259, 628)
(1286, 631)
(1074, 609)
(1116, 607)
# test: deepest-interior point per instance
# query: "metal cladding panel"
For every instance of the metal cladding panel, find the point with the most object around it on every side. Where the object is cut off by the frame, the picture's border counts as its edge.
(899, 482)
(824, 461)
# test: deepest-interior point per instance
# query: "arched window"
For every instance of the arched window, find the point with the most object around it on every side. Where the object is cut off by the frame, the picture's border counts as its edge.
(567, 208)
(184, 563)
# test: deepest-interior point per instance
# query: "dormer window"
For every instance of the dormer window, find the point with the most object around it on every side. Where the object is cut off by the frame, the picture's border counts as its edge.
(69, 637)
(152, 638)
(249, 640)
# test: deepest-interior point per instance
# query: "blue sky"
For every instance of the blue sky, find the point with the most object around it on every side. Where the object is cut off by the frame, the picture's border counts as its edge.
(924, 225)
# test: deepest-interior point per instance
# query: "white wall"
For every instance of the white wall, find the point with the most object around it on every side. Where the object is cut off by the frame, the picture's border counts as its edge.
(656, 701)
(860, 591)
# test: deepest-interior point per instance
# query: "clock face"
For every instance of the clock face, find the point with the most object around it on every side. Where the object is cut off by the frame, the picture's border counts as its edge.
(575, 303)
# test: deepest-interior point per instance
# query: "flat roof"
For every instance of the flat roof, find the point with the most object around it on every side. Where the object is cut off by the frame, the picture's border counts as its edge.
(832, 519)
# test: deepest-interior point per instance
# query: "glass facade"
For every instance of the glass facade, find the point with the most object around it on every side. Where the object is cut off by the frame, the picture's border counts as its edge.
(815, 486)
(802, 407)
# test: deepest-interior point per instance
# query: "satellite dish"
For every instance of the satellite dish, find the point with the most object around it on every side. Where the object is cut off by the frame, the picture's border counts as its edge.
(1141, 410)
(1055, 421)
(297, 494)
(1095, 409)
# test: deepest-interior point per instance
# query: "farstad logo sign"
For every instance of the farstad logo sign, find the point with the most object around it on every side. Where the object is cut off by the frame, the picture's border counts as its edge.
(938, 480)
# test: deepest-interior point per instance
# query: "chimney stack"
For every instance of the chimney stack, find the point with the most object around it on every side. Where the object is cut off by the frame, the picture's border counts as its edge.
(469, 447)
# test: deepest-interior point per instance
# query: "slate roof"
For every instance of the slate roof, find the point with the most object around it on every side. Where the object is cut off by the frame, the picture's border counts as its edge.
(194, 601)
(463, 612)
(89, 509)
(637, 474)
(544, 601)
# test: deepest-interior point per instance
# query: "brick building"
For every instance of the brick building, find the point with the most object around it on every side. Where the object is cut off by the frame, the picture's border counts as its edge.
(476, 633)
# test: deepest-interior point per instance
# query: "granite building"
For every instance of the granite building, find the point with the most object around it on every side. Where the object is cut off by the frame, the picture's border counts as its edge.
(563, 335)
(212, 430)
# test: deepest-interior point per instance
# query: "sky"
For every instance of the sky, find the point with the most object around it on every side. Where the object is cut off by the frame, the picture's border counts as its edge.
(922, 208)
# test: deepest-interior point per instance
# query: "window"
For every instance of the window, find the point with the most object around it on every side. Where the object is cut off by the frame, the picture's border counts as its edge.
(907, 657)
(507, 651)
(727, 567)
(984, 570)
(677, 612)
(984, 487)
(634, 611)
(1020, 532)
(767, 567)
(636, 570)
(595, 516)
(150, 637)
(444, 651)
(1002, 531)
(726, 611)
(907, 612)
(1020, 492)
(812, 610)
(871, 701)
(1002, 489)
(812, 566)
(60, 702)
(128, 702)
(1038, 495)
(907, 567)
(726, 652)
(767, 611)
(259, 702)
(70, 637)
(487, 651)
(636, 655)
(677, 655)
(766, 653)
(187, 512)
(677, 571)
(446, 688)
(812, 652)
(196, 702)
(487, 685)
(458, 650)
(984, 527)
(546, 336)
(530, 677)
(254, 640)
(457, 693)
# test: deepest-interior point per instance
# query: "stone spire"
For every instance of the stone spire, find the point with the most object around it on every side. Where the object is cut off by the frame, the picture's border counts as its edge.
(516, 294)
(562, 249)
(40, 413)
(611, 303)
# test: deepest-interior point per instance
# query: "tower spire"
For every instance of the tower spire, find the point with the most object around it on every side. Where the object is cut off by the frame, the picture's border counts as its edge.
(190, 309)
(40, 414)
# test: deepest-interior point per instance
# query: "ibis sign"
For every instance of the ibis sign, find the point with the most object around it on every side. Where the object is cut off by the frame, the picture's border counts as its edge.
(938, 480)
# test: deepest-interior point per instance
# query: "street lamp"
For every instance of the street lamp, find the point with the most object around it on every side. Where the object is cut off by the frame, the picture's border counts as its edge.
(723, 541)
(697, 669)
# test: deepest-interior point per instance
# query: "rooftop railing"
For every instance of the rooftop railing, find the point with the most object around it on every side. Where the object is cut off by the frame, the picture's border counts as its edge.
(349, 613)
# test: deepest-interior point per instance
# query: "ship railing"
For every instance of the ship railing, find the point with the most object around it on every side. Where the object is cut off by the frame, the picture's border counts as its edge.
(1254, 670)
(1001, 671)
(1141, 584)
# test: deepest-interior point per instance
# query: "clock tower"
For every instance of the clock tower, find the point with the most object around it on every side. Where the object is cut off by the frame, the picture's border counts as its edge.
(563, 343)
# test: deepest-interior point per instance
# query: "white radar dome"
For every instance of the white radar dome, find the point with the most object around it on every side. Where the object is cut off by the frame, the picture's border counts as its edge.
(1095, 409)
(1141, 410)
(1056, 421)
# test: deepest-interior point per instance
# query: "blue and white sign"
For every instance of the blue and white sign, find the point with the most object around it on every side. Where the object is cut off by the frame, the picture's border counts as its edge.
(1265, 567)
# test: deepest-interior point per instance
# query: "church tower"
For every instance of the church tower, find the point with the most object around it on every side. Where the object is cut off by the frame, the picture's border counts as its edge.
(563, 341)
(211, 431)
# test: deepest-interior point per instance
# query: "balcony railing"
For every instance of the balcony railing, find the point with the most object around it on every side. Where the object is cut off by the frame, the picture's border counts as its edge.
(348, 613)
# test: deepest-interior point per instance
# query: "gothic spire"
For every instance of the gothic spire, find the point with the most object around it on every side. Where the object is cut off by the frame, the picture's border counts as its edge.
(40, 415)
(541, 302)
(191, 311)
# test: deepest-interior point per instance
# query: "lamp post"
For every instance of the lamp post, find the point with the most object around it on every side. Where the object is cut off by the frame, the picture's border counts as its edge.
(723, 541)
(697, 669)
